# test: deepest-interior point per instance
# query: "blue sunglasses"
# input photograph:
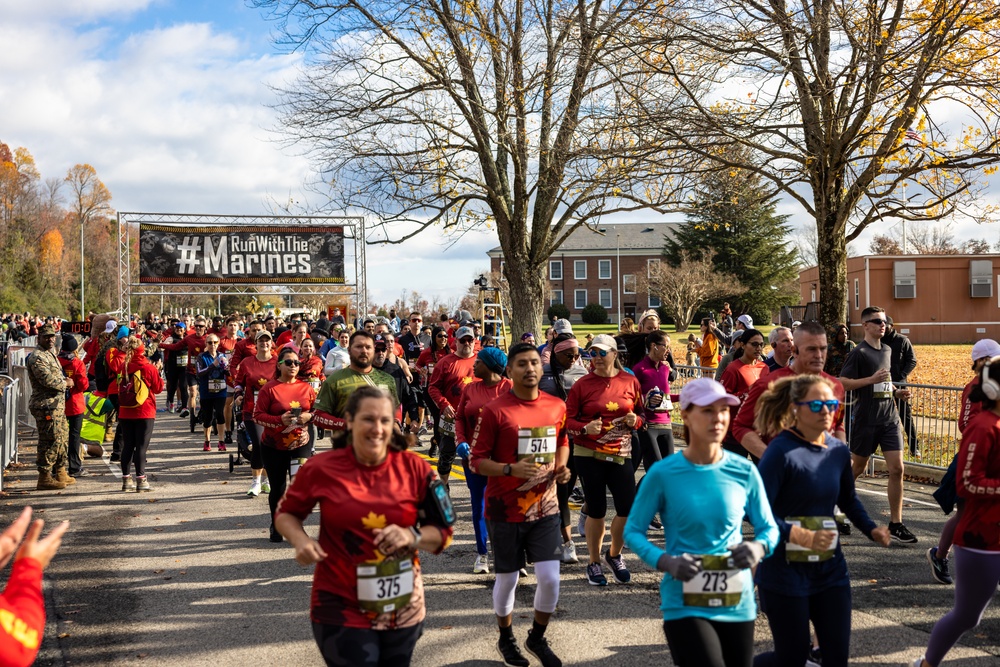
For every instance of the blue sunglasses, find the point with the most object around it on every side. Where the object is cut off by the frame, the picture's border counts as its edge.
(600, 352)
(817, 406)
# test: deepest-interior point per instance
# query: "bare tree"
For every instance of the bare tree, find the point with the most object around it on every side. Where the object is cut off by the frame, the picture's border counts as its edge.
(684, 288)
(499, 113)
(858, 110)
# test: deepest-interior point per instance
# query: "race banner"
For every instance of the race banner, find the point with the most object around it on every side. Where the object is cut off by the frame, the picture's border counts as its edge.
(270, 254)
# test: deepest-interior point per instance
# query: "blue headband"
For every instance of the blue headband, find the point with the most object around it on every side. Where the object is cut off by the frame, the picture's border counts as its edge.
(494, 358)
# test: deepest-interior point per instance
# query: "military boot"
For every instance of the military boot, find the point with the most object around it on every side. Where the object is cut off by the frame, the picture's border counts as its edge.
(64, 477)
(46, 482)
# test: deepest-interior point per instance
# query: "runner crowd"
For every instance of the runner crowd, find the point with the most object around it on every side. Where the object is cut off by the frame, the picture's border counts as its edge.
(751, 508)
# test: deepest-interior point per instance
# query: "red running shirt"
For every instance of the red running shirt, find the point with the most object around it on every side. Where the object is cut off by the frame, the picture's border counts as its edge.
(450, 377)
(743, 423)
(474, 397)
(496, 436)
(353, 501)
(22, 614)
(978, 481)
(252, 376)
(74, 369)
(275, 399)
(610, 399)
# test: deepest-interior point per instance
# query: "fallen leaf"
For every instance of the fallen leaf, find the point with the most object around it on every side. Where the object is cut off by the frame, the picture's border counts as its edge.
(64, 635)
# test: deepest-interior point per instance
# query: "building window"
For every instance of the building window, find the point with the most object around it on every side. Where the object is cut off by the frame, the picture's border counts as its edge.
(604, 269)
(654, 301)
(557, 297)
(503, 271)
(651, 265)
(555, 269)
(628, 283)
(604, 297)
(580, 269)
(580, 299)
(857, 294)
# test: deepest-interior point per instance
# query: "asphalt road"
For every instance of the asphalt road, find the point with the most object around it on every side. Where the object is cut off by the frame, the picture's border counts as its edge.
(185, 575)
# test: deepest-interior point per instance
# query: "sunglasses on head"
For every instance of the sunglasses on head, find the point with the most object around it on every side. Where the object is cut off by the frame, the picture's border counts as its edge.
(817, 405)
(290, 362)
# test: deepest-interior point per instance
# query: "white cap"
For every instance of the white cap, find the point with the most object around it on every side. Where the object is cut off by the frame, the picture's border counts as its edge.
(562, 326)
(796, 323)
(604, 342)
(746, 320)
(986, 348)
(111, 326)
(705, 391)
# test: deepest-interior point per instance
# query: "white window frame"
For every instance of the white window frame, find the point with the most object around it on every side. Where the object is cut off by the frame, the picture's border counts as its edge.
(577, 265)
(553, 263)
(857, 294)
(654, 301)
(649, 266)
(625, 289)
(576, 299)
(553, 300)
(600, 269)
(503, 273)
(601, 293)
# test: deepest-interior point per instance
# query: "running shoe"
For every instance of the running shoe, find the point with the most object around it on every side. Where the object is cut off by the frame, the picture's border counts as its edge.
(919, 662)
(184, 413)
(539, 647)
(576, 495)
(229, 438)
(142, 484)
(915, 452)
(275, 537)
(222, 446)
(939, 567)
(523, 572)
(595, 575)
(482, 565)
(581, 525)
(510, 652)
(255, 489)
(207, 447)
(265, 487)
(617, 565)
(128, 484)
(654, 524)
(422, 431)
(815, 658)
(115, 457)
(900, 533)
(170, 407)
(568, 553)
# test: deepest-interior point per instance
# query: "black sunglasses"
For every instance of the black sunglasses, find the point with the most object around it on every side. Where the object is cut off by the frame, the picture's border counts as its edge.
(877, 322)
(290, 362)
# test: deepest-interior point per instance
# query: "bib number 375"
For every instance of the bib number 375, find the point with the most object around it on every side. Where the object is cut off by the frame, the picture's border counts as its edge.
(385, 587)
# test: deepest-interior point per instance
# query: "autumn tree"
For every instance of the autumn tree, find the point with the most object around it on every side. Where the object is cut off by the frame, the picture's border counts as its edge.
(90, 204)
(505, 114)
(841, 103)
(684, 287)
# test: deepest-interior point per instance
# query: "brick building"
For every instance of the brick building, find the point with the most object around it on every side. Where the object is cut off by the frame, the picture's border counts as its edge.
(605, 266)
(931, 298)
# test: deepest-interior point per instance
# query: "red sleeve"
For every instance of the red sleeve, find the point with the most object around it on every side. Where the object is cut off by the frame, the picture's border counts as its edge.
(152, 378)
(744, 418)
(969, 408)
(22, 614)
(730, 379)
(638, 409)
(173, 347)
(79, 377)
(574, 425)
(327, 421)
(262, 409)
(973, 457)
(437, 379)
(483, 439)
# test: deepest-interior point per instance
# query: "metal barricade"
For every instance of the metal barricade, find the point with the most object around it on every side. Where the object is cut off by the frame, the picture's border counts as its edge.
(18, 354)
(9, 390)
(4, 362)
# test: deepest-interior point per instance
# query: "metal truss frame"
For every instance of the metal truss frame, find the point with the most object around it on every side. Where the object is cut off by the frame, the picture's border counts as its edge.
(128, 278)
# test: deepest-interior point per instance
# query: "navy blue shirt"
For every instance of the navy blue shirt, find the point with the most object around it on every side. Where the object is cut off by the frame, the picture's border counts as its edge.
(805, 480)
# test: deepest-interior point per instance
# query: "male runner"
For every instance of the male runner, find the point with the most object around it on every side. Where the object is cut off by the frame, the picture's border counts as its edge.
(450, 376)
(338, 387)
(520, 443)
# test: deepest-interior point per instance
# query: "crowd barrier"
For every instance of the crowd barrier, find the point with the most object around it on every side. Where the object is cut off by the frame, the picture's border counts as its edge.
(9, 391)
(18, 353)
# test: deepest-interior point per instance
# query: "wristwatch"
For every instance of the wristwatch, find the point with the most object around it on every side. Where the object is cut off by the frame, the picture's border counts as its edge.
(416, 535)
(506, 470)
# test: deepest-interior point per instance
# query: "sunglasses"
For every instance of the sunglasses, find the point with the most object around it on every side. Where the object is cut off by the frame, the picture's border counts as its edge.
(599, 352)
(466, 340)
(756, 344)
(876, 322)
(211, 342)
(441, 336)
(817, 405)
(570, 355)
(295, 362)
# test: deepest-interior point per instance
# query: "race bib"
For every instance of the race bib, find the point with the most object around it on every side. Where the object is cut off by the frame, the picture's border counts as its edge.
(719, 584)
(537, 444)
(216, 385)
(314, 383)
(882, 390)
(447, 426)
(796, 554)
(385, 587)
(182, 359)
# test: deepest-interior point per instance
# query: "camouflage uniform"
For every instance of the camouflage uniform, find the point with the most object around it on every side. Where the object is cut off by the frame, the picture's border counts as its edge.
(48, 407)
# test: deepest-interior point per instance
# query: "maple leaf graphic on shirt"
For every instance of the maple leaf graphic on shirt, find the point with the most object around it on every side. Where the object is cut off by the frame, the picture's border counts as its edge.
(466, 380)
(611, 406)
(373, 521)
(527, 501)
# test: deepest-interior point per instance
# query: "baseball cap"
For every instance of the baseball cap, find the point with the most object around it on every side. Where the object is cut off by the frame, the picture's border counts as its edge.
(746, 320)
(263, 334)
(705, 391)
(986, 348)
(380, 341)
(463, 332)
(562, 326)
(47, 330)
(604, 342)
(111, 326)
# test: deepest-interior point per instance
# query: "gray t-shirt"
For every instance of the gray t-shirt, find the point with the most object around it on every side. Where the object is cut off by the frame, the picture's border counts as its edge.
(872, 403)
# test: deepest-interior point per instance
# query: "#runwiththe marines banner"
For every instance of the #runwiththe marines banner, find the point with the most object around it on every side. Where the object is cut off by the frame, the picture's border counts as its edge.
(240, 254)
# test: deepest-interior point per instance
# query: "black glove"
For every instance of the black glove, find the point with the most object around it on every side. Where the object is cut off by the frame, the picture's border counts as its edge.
(681, 568)
(747, 554)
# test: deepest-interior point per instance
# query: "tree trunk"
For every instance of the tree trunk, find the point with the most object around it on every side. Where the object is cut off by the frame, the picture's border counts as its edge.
(832, 256)
(527, 300)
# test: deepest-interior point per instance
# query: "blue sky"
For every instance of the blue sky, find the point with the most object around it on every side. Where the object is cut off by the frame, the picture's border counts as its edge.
(170, 101)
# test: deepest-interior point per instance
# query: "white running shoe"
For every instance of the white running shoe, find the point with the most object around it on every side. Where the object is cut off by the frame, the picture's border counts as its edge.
(581, 525)
(482, 565)
(254, 490)
(568, 552)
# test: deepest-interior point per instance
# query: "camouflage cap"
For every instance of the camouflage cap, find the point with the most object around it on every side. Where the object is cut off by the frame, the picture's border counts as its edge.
(46, 330)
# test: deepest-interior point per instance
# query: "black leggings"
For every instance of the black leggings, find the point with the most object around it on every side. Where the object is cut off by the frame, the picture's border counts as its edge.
(436, 416)
(699, 642)
(830, 613)
(599, 476)
(213, 411)
(281, 464)
(116, 446)
(658, 450)
(75, 423)
(177, 381)
(360, 647)
(255, 460)
(135, 441)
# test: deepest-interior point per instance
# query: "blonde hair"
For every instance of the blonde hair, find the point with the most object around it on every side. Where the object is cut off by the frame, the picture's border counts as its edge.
(132, 343)
(774, 407)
